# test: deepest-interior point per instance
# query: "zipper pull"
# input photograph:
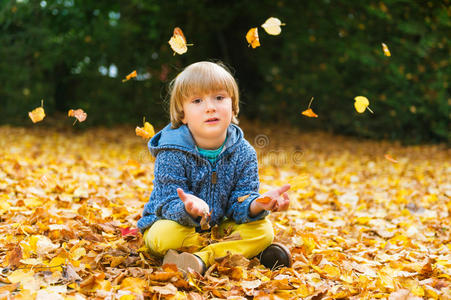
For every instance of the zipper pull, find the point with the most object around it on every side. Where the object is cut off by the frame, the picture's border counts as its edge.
(214, 178)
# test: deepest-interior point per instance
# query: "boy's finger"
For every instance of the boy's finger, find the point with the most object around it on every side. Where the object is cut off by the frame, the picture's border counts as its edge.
(284, 205)
(182, 195)
(283, 189)
(285, 197)
(272, 205)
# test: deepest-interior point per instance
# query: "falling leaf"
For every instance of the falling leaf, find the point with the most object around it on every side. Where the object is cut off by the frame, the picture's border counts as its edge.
(178, 42)
(361, 103)
(272, 26)
(145, 132)
(79, 114)
(385, 49)
(388, 157)
(130, 76)
(252, 37)
(309, 112)
(37, 114)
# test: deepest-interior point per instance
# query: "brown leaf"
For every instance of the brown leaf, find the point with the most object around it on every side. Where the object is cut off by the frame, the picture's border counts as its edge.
(15, 256)
(168, 289)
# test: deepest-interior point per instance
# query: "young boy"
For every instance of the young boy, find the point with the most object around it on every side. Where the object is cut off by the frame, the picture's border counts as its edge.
(204, 167)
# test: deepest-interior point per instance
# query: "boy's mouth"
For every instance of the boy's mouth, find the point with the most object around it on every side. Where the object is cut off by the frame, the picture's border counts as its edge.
(212, 120)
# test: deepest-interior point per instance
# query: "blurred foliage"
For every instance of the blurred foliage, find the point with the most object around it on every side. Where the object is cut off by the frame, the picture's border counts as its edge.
(74, 54)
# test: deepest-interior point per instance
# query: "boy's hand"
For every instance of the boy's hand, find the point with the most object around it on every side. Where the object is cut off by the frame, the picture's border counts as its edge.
(275, 200)
(194, 206)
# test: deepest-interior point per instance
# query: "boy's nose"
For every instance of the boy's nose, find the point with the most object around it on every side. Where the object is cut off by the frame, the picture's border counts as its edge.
(210, 105)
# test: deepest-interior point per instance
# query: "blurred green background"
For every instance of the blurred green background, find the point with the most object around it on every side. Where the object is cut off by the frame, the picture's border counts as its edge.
(75, 53)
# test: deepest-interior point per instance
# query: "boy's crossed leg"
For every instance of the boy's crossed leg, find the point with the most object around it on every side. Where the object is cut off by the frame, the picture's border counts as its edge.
(164, 235)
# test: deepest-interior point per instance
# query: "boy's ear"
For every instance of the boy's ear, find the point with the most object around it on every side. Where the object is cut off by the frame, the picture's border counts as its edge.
(183, 118)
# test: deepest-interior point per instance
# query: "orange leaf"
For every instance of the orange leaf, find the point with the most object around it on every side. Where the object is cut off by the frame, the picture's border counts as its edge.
(205, 221)
(264, 200)
(79, 114)
(178, 41)
(252, 37)
(309, 113)
(145, 132)
(388, 157)
(37, 114)
(242, 198)
(130, 76)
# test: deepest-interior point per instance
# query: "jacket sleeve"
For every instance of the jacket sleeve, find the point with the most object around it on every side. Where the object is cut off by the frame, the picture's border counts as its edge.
(246, 189)
(169, 175)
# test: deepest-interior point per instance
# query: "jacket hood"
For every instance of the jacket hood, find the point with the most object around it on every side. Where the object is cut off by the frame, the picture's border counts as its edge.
(181, 138)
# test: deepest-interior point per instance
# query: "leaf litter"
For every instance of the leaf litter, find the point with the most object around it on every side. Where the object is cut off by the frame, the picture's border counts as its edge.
(358, 226)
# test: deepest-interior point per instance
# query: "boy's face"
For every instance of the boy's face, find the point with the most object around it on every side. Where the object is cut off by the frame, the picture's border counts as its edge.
(208, 116)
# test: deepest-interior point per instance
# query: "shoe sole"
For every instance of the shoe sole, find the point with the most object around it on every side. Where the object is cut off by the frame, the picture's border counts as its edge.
(183, 261)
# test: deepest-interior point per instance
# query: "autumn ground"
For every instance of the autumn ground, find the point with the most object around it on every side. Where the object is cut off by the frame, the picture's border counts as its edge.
(361, 225)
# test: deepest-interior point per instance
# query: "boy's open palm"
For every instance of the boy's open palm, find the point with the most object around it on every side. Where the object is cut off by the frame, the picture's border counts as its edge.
(278, 199)
(194, 206)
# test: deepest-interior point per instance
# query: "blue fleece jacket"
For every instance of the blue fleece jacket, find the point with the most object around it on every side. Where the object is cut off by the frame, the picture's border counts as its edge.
(179, 165)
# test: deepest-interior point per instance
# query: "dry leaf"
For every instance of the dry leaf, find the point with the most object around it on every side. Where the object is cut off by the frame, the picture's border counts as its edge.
(385, 49)
(272, 26)
(130, 76)
(263, 200)
(361, 103)
(242, 198)
(178, 42)
(309, 113)
(79, 114)
(37, 114)
(145, 132)
(388, 157)
(252, 37)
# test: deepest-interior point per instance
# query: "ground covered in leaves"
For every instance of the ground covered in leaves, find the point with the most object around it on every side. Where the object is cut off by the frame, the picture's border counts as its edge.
(367, 219)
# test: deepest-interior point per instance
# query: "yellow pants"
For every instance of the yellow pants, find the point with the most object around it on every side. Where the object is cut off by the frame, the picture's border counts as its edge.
(165, 234)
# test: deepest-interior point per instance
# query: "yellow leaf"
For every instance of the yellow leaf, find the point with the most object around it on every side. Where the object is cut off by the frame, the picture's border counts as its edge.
(385, 49)
(31, 261)
(361, 103)
(37, 114)
(146, 132)
(134, 285)
(178, 41)
(272, 26)
(78, 253)
(252, 37)
(20, 275)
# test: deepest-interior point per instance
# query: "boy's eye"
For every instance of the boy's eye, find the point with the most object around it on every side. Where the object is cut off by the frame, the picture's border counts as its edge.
(219, 97)
(196, 100)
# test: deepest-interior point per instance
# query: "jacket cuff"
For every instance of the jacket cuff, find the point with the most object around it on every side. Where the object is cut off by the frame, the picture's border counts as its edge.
(184, 218)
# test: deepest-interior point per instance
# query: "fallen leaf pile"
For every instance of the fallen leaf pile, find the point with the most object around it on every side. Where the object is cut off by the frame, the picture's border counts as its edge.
(359, 225)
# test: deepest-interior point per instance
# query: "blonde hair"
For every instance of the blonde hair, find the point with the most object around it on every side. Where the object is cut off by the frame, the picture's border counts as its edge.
(201, 77)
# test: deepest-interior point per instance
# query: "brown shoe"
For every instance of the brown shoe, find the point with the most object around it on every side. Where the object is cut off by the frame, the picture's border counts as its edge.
(275, 256)
(185, 260)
